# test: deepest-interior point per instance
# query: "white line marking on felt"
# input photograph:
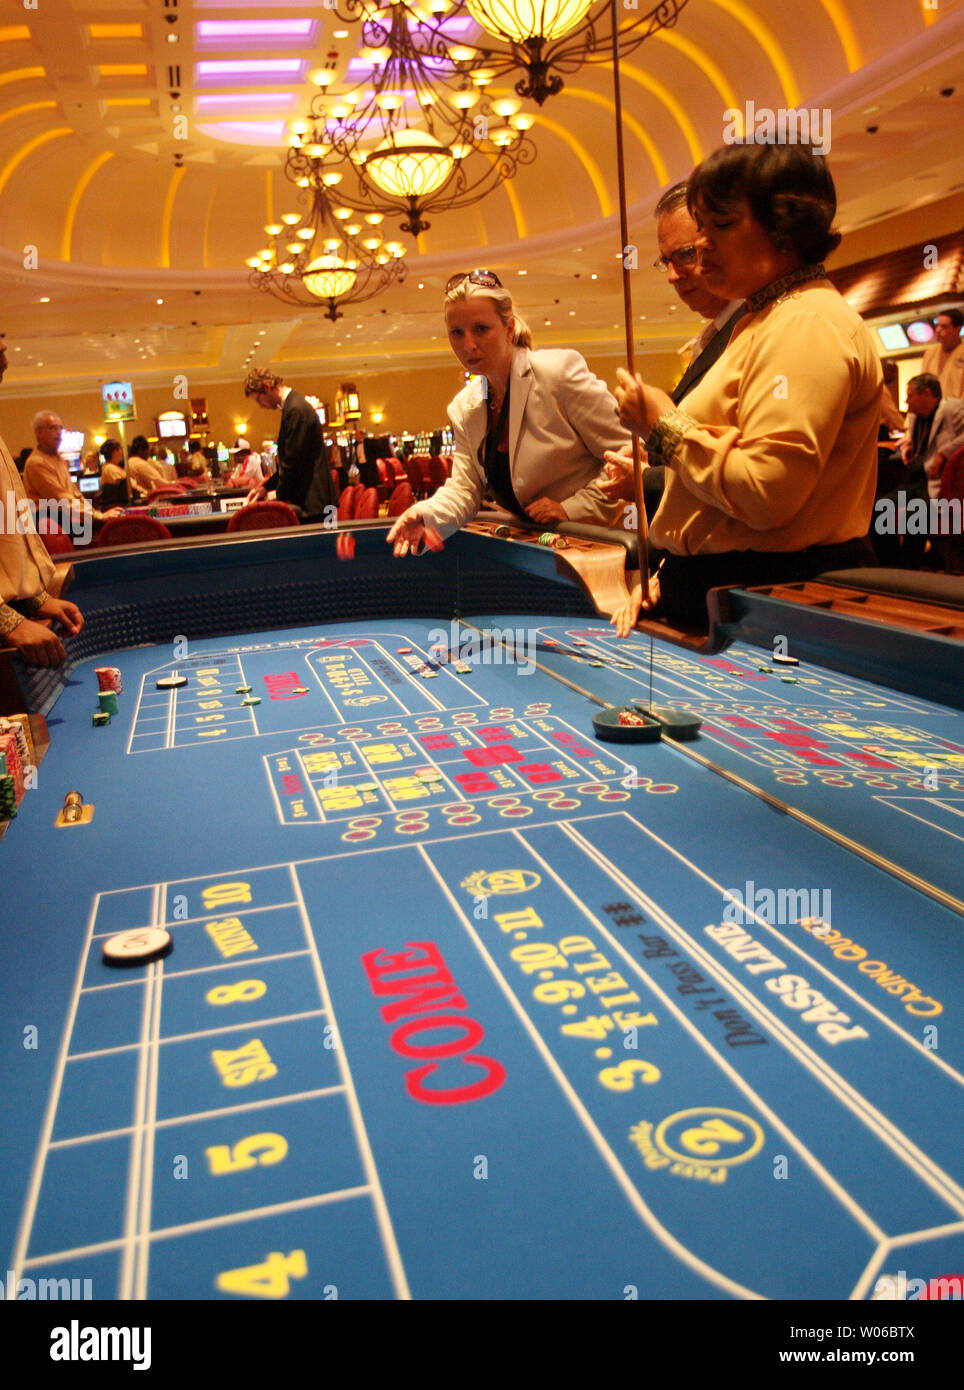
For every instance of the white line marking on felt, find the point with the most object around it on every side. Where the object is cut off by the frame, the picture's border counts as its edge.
(630, 1192)
(386, 1230)
(925, 1169)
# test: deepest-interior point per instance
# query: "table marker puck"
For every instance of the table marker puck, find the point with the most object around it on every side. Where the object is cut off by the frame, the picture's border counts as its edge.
(299, 690)
(138, 946)
(171, 682)
(785, 660)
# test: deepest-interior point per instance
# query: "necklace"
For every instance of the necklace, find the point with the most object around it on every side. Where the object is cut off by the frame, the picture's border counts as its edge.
(776, 288)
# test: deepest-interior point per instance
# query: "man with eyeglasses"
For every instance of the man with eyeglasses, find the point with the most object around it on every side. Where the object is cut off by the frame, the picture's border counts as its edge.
(676, 236)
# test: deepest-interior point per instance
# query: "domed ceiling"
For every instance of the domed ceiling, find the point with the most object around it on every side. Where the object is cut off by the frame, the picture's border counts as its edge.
(142, 149)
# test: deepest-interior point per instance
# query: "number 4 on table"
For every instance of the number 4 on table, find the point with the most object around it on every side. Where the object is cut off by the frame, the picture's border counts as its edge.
(270, 1279)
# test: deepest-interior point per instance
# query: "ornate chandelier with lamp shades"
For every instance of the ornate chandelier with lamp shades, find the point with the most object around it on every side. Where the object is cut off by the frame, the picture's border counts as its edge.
(416, 135)
(548, 37)
(322, 259)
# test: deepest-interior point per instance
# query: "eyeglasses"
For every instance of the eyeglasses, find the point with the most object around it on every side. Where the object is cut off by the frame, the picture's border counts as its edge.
(487, 278)
(684, 256)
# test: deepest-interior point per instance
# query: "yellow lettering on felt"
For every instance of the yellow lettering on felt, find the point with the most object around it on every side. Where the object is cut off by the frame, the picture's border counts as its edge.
(256, 1150)
(525, 917)
(220, 894)
(271, 1279)
(625, 1076)
(245, 1065)
(707, 1139)
(239, 993)
(230, 937)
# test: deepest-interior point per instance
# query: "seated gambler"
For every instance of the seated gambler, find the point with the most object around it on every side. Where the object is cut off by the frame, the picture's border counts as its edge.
(25, 571)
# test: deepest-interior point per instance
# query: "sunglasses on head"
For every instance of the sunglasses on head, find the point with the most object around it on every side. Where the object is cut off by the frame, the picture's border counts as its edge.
(486, 278)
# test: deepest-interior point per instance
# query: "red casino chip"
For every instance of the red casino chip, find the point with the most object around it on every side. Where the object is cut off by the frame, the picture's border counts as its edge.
(345, 546)
(108, 678)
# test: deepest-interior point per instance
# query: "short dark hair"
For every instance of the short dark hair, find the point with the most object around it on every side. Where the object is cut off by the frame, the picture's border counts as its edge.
(108, 447)
(672, 199)
(956, 316)
(925, 382)
(788, 189)
(139, 446)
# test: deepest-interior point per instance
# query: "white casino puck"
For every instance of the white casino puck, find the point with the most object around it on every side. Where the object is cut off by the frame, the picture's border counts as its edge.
(137, 946)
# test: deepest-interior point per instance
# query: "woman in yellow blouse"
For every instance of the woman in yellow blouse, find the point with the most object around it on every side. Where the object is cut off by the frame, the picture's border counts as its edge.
(771, 460)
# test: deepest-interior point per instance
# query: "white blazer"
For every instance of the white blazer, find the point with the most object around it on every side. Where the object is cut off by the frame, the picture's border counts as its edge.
(561, 420)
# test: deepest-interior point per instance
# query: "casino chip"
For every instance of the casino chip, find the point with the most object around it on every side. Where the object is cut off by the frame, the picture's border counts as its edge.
(785, 660)
(242, 690)
(299, 690)
(251, 700)
(345, 546)
(404, 651)
(171, 682)
(138, 946)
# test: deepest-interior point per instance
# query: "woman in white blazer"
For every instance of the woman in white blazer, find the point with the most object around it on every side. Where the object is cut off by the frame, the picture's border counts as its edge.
(532, 426)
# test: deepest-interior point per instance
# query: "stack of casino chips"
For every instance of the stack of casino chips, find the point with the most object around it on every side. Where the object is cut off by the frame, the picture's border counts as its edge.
(19, 724)
(109, 687)
(11, 776)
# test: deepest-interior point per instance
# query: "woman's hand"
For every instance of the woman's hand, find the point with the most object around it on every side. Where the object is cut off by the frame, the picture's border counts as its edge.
(625, 618)
(640, 406)
(618, 484)
(543, 510)
(408, 533)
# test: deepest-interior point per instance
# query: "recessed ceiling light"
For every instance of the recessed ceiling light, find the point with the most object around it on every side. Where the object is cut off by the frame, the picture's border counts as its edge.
(158, 301)
(45, 299)
(173, 37)
(341, 33)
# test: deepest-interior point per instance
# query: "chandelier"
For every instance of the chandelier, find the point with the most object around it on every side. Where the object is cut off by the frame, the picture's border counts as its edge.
(549, 37)
(322, 258)
(414, 134)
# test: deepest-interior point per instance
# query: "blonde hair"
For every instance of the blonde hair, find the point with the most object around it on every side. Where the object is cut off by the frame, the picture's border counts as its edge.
(504, 307)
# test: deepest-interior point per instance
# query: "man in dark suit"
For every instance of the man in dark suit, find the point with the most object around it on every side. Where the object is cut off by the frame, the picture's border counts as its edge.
(676, 233)
(302, 477)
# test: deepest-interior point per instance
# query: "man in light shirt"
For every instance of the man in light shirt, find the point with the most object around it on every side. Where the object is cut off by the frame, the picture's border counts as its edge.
(945, 358)
(25, 571)
(46, 474)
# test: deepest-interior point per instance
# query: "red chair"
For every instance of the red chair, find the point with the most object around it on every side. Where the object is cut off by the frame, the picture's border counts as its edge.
(396, 469)
(401, 499)
(436, 472)
(263, 516)
(131, 530)
(414, 475)
(386, 480)
(367, 504)
(56, 541)
(165, 490)
(348, 501)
